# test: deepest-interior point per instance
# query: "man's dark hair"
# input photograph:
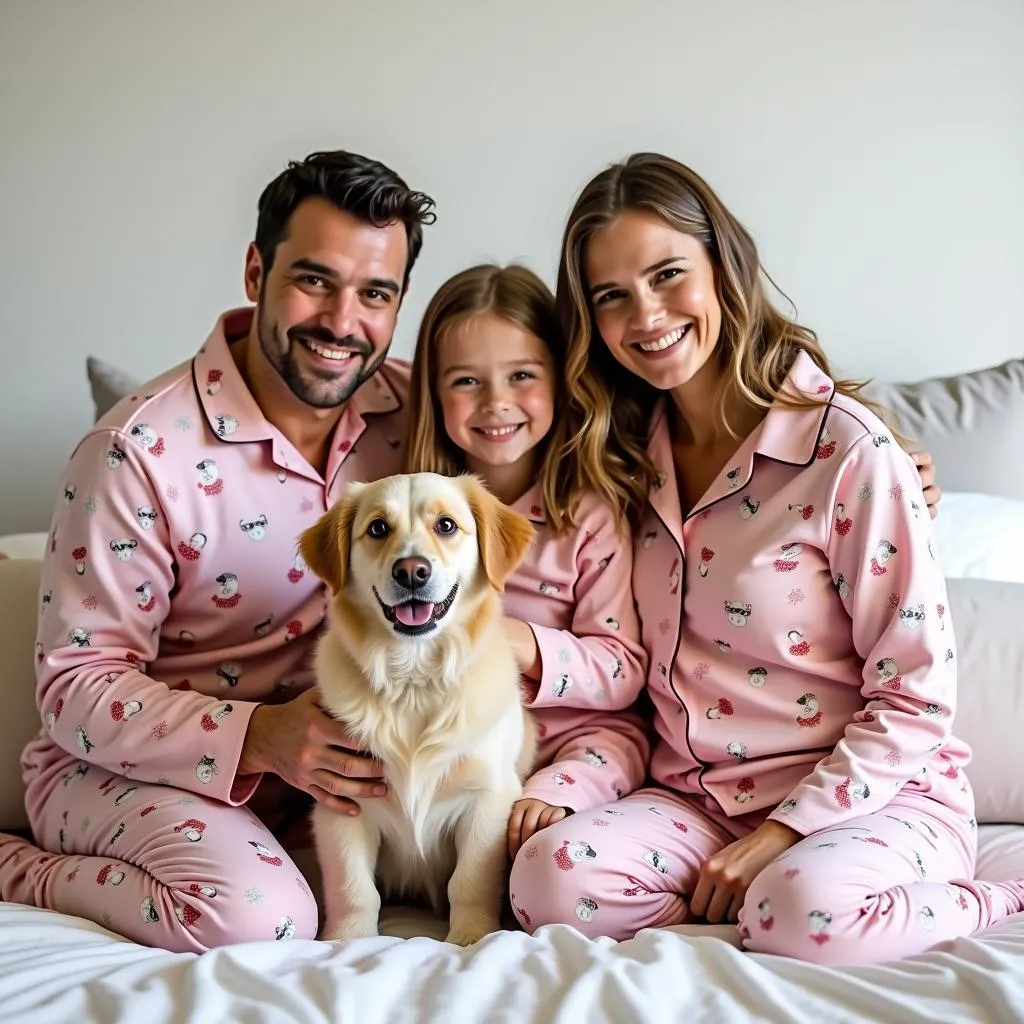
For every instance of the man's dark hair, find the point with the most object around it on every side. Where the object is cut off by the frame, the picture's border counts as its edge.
(365, 188)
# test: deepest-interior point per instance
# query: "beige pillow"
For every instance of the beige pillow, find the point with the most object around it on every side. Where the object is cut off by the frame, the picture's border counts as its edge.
(19, 601)
(973, 425)
(23, 545)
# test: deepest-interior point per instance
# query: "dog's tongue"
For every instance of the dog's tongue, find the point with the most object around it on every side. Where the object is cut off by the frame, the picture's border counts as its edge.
(414, 613)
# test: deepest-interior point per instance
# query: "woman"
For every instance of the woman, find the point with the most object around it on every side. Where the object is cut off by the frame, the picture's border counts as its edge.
(802, 670)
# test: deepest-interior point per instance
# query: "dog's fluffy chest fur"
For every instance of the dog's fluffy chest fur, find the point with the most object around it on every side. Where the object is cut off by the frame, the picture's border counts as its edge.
(438, 741)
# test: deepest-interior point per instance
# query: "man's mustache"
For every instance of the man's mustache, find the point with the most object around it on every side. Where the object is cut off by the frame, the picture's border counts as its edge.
(322, 336)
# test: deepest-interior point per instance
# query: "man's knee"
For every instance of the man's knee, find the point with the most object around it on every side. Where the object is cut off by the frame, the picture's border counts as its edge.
(259, 896)
(209, 916)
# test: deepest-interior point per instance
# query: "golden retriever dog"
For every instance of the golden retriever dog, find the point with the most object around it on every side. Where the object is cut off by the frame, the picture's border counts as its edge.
(416, 663)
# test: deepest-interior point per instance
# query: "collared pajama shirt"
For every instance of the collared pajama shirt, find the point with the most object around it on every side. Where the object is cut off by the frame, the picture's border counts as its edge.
(802, 660)
(574, 590)
(172, 565)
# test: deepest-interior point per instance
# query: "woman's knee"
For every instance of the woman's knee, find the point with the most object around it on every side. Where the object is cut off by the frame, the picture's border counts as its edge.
(794, 912)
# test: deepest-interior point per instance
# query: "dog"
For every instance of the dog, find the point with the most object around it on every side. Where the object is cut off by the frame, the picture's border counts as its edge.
(415, 662)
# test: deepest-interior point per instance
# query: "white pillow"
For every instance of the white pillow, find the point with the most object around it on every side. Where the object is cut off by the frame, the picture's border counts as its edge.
(987, 620)
(981, 536)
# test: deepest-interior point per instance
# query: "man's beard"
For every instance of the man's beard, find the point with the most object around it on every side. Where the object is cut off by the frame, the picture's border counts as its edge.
(320, 390)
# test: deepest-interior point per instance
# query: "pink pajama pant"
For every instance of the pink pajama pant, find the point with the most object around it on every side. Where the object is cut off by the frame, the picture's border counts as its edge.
(880, 887)
(158, 865)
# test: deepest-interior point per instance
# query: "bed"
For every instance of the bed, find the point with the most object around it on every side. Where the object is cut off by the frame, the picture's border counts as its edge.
(56, 969)
(61, 969)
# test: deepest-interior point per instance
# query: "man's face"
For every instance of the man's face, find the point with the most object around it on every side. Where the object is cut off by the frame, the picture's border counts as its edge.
(327, 307)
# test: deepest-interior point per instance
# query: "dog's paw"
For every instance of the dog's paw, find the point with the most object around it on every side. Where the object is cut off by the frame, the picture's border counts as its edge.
(471, 926)
(351, 926)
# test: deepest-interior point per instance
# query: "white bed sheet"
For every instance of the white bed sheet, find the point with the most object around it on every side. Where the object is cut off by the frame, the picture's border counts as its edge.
(62, 970)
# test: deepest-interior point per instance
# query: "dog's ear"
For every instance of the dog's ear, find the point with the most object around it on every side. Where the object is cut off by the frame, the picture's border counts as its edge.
(503, 534)
(325, 545)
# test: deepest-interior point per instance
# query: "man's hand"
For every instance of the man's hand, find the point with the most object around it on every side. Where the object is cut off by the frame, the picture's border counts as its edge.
(726, 876)
(312, 752)
(528, 818)
(932, 491)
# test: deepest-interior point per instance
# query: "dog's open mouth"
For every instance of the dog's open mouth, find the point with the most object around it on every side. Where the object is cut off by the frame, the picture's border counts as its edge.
(415, 617)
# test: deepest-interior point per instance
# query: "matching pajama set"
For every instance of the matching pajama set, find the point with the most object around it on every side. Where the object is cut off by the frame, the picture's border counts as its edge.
(173, 602)
(810, 678)
(802, 668)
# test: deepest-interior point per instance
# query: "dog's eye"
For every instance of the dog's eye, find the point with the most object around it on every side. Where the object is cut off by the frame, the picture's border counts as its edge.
(378, 529)
(445, 526)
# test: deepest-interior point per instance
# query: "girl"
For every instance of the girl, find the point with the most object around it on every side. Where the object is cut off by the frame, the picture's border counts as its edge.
(811, 787)
(487, 388)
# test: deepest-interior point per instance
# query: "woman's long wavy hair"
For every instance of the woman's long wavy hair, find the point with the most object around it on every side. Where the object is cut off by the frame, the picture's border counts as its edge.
(608, 408)
(520, 297)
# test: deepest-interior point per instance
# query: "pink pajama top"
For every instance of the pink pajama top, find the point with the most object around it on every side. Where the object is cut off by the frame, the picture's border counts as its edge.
(575, 592)
(173, 599)
(802, 660)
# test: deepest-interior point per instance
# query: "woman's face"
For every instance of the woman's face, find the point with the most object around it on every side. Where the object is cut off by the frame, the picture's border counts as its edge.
(652, 289)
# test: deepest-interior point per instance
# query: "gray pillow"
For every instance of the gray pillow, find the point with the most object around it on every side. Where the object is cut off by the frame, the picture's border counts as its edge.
(972, 423)
(109, 385)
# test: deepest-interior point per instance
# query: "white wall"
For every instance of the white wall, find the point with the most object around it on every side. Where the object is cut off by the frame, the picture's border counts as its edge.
(875, 148)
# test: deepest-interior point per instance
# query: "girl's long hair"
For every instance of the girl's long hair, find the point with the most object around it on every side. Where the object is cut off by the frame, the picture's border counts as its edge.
(520, 297)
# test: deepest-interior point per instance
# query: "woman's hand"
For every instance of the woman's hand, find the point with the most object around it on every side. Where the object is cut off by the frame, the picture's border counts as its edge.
(524, 647)
(726, 876)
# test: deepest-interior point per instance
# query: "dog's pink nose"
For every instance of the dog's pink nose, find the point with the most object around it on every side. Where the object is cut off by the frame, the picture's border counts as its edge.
(411, 572)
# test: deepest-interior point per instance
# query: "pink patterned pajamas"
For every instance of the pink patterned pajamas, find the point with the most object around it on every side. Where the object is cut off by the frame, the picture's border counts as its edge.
(575, 591)
(159, 865)
(173, 602)
(866, 883)
(802, 668)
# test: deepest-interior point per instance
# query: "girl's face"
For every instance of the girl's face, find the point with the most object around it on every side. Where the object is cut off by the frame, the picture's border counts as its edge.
(652, 290)
(496, 384)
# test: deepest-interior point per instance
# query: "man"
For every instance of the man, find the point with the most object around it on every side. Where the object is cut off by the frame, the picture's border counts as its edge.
(177, 620)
